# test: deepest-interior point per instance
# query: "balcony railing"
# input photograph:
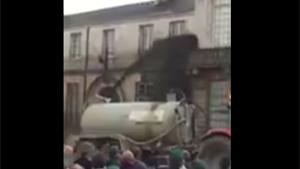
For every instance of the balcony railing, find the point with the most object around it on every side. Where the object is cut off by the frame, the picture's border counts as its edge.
(210, 58)
(200, 58)
(78, 65)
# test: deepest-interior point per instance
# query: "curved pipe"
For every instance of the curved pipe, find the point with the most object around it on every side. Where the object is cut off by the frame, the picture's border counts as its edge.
(157, 137)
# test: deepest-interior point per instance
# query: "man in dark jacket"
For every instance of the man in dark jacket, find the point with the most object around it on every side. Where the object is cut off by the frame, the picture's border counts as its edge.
(128, 161)
(98, 160)
(137, 152)
(114, 156)
(187, 159)
(84, 161)
(225, 163)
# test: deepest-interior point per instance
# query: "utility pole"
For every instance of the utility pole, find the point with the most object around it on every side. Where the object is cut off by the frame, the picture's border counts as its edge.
(106, 53)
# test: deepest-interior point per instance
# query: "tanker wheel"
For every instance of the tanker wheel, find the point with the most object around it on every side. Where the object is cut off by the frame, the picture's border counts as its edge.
(216, 152)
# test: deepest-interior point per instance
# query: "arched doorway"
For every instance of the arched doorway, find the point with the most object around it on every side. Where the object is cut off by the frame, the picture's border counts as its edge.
(99, 90)
(109, 92)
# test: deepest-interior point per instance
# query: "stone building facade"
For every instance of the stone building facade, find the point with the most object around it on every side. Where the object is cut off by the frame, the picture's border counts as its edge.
(100, 45)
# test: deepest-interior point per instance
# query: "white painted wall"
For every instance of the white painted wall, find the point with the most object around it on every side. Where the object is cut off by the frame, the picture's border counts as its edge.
(129, 86)
(202, 23)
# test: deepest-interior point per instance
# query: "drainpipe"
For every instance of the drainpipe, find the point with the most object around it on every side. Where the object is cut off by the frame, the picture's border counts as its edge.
(105, 64)
(86, 64)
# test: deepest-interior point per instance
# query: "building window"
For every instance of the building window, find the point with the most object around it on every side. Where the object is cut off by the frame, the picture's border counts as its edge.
(218, 107)
(72, 105)
(108, 44)
(145, 38)
(75, 45)
(218, 92)
(222, 22)
(143, 91)
(177, 28)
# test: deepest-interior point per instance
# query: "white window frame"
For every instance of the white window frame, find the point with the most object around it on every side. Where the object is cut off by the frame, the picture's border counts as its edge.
(177, 27)
(145, 37)
(218, 91)
(75, 45)
(222, 23)
(108, 43)
(147, 89)
(72, 103)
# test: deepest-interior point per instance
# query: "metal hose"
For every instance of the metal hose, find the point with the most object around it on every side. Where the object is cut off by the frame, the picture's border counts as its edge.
(157, 137)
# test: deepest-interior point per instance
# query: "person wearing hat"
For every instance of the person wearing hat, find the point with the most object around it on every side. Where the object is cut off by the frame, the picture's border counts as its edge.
(176, 157)
(198, 164)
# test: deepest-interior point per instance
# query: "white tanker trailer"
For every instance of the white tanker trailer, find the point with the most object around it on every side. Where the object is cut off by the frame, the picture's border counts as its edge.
(149, 125)
(141, 123)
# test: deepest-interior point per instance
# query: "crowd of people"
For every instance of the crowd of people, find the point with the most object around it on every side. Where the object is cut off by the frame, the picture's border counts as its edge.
(129, 159)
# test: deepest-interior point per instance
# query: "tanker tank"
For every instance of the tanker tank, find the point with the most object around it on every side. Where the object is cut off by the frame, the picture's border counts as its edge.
(140, 121)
